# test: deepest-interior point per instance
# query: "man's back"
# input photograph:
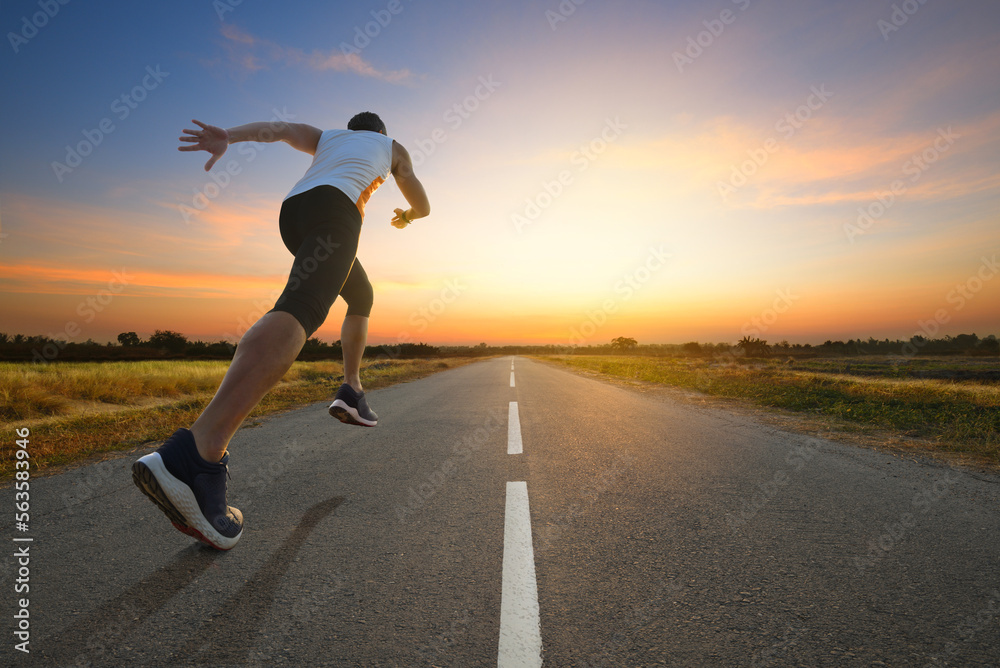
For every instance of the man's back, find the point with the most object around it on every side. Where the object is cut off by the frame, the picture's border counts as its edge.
(356, 162)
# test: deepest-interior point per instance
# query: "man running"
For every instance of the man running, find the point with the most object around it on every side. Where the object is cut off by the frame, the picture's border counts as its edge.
(320, 222)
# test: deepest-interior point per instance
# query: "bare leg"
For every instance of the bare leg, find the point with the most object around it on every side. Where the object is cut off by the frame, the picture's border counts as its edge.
(353, 338)
(263, 356)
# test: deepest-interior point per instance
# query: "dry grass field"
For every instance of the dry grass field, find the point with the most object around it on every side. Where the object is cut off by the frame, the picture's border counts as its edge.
(76, 410)
(950, 406)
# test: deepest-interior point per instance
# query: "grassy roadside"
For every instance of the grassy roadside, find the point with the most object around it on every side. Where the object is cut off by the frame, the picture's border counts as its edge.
(956, 420)
(78, 410)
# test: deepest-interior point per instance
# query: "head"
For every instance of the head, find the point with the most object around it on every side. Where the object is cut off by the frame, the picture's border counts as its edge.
(366, 120)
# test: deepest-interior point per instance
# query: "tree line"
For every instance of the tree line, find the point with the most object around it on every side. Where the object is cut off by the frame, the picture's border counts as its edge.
(168, 344)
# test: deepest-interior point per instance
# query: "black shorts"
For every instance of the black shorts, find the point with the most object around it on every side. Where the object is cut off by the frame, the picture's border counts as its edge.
(321, 228)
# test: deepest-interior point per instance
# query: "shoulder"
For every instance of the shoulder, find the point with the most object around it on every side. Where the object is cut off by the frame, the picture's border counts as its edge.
(401, 161)
(327, 135)
(399, 151)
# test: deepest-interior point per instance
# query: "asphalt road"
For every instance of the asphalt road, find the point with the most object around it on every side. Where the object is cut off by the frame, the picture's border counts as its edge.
(660, 533)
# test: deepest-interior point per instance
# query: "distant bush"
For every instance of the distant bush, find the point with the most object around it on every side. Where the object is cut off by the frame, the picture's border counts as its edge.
(167, 344)
(624, 343)
(692, 348)
(129, 339)
(753, 347)
(164, 339)
(989, 346)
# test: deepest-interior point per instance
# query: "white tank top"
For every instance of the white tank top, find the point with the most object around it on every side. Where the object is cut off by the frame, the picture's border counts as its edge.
(356, 162)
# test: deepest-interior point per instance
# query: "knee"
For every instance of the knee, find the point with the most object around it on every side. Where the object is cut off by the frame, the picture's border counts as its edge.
(361, 299)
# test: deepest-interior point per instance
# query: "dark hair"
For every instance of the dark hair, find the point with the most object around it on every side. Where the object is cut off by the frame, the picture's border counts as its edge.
(366, 120)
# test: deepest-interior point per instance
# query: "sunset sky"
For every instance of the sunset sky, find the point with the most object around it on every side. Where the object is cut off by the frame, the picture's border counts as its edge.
(668, 171)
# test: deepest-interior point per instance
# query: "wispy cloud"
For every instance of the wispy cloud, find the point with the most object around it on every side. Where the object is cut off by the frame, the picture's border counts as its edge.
(48, 278)
(828, 162)
(151, 236)
(844, 166)
(249, 53)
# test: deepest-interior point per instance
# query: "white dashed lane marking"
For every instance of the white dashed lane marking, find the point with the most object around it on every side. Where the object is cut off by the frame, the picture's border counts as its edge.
(514, 445)
(520, 630)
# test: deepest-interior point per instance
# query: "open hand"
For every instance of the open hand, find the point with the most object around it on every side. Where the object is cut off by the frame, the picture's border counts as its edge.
(209, 138)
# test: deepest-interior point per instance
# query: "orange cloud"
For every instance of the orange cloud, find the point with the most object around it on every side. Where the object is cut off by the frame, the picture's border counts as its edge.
(51, 279)
(243, 231)
(252, 54)
(829, 160)
(831, 165)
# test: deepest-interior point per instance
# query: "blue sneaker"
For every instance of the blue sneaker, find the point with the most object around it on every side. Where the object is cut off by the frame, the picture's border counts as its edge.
(190, 491)
(350, 407)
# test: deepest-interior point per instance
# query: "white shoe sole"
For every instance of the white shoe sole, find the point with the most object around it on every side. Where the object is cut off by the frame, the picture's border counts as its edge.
(340, 410)
(181, 498)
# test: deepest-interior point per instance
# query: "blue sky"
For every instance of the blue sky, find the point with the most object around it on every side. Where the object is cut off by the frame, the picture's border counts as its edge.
(555, 88)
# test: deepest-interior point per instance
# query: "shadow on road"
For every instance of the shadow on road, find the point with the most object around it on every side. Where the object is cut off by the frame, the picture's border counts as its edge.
(234, 632)
(225, 639)
(95, 638)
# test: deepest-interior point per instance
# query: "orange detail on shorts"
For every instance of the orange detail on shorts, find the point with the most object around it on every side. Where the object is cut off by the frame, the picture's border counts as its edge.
(366, 195)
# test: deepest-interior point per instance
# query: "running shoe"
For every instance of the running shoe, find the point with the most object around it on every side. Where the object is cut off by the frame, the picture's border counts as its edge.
(350, 407)
(190, 491)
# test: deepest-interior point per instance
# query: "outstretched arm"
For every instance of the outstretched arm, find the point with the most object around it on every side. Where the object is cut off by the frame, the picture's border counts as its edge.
(215, 140)
(410, 186)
